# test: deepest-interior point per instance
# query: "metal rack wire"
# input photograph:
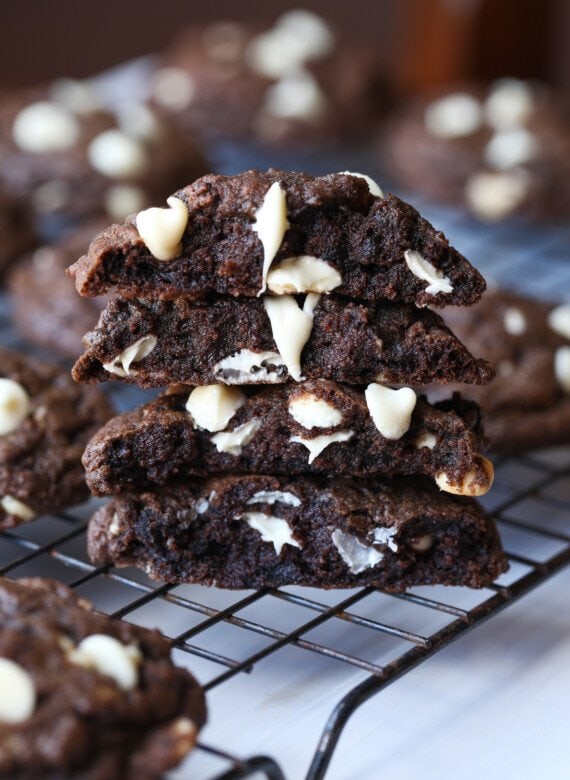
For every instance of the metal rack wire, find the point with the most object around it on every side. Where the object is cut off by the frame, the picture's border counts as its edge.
(530, 500)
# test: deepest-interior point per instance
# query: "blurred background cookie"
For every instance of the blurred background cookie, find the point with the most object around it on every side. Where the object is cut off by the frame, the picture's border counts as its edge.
(297, 80)
(15, 228)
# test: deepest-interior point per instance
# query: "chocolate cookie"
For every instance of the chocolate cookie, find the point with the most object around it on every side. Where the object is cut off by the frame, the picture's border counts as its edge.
(153, 343)
(85, 697)
(252, 531)
(298, 81)
(315, 427)
(528, 403)
(45, 422)
(281, 232)
(68, 158)
(500, 151)
(44, 304)
(15, 228)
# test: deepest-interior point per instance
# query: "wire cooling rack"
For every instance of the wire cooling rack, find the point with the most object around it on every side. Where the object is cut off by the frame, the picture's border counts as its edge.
(365, 636)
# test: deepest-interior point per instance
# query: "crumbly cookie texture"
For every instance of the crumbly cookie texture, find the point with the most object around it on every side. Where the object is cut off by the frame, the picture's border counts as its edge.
(46, 308)
(85, 696)
(255, 531)
(169, 438)
(528, 341)
(500, 151)
(232, 341)
(45, 422)
(367, 239)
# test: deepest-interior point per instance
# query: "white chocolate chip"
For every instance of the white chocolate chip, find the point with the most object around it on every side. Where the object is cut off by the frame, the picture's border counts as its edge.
(45, 127)
(510, 103)
(310, 411)
(510, 148)
(77, 96)
(232, 441)
(173, 89)
(17, 508)
(108, 656)
(319, 443)
(51, 196)
(422, 543)
(114, 525)
(426, 439)
(162, 229)
(43, 258)
(357, 556)
(471, 484)
(247, 366)
(423, 269)
(213, 406)
(373, 186)
(122, 200)
(309, 30)
(121, 365)
(303, 274)
(514, 322)
(17, 692)
(274, 530)
(274, 496)
(391, 410)
(454, 116)
(291, 328)
(296, 96)
(15, 405)
(117, 155)
(139, 121)
(494, 196)
(384, 535)
(271, 225)
(562, 367)
(202, 505)
(559, 320)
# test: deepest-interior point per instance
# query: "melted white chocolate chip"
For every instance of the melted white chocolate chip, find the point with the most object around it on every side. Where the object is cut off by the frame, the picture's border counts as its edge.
(391, 410)
(162, 229)
(454, 116)
(213, 406)
(247, 366)
(296, 96)
(274, 496)
(423, 269)
(510, 148)
(494, 196)
(373, 186)
(173, 88)
(559, 320)
(385, 535)
(319, 443)
(426, 439)
(15, 405)
(12, 506)
(271, 225)
(232, 441)
(117, 155)
(510, 103)
(514, 322)
(310, 411)
(45, 127)
(273, 529)
(108, 656)
(121, 365)
(291, 327)
(17, 692)
(357, 556)
(303, 274)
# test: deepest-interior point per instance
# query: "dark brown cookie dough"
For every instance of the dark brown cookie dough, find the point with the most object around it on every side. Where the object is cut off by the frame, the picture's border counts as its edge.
(499, 151)
(45, 422)
(68, 158)
(232, 341)
(316, 427)
(44, 304)
(92, 698)
(297, 81)
(527, 405)
(253, 531)
(373, 242)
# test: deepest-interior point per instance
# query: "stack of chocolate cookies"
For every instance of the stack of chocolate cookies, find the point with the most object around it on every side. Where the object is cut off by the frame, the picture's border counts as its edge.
(281, 309)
